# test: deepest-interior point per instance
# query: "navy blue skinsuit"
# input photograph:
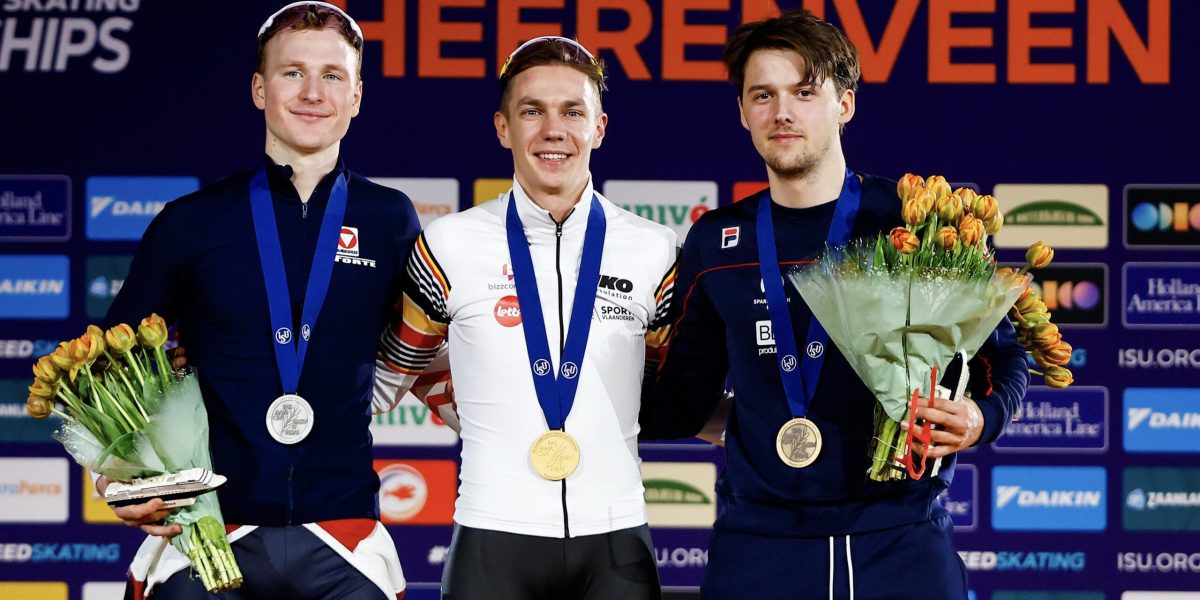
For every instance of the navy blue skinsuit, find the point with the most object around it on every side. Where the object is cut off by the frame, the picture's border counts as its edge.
(782, 530)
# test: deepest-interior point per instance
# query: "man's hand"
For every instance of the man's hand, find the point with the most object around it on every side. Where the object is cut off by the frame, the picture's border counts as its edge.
(958, 426)
(147, 516)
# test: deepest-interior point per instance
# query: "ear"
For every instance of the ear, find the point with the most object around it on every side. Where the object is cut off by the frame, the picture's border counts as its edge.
(846, 107)
(742, 114)
(501, 123)
(356, 104)
(601, 124)
(258, 91)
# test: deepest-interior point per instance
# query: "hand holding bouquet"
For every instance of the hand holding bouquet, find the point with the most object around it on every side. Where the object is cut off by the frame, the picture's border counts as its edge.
(127, 414)
(933, 290)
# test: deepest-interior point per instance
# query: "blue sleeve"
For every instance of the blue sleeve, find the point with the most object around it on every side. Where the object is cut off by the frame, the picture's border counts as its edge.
(156, 275)
(691, 378)
(999, 376)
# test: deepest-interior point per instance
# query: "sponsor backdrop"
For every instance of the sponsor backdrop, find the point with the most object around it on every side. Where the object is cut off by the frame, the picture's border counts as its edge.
(1064, 109)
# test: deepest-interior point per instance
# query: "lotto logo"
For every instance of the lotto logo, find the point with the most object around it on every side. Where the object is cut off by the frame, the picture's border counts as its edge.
(508, 311)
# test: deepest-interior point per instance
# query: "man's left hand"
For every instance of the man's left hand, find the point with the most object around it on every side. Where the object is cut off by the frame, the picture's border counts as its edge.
(957, 425)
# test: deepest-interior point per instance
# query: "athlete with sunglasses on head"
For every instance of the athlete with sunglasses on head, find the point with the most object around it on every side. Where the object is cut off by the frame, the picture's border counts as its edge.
(551, 298)
(278, 319)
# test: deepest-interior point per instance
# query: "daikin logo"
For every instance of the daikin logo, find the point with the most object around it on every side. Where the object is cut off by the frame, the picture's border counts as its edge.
(1049, 498)
(1162, 420)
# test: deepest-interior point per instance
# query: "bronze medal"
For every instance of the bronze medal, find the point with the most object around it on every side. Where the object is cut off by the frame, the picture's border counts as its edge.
(798, 443)
(554, 455)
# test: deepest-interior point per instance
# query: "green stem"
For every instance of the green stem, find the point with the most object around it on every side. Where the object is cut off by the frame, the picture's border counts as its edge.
(133, 396)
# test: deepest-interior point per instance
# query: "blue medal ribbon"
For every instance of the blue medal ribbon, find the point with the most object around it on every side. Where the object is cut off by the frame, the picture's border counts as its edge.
(290, 348)
(556, 394)
(800, 374)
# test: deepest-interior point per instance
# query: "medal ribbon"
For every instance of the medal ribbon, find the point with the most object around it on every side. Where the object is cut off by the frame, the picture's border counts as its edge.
(556, 394)
(799, 388)
(289, 356)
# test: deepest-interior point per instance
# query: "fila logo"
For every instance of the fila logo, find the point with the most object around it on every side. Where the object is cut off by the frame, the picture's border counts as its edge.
(730, 236)
(617, 284)
(348, 241)
(508, 311)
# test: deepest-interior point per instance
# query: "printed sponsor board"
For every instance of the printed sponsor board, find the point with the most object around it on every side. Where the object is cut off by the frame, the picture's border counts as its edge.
(1045, 595)
(486, 190)
(1161, 499)
(411, 424)
(35, 286)
(104, 590)
(1139, 595)
(120, 208)
(62, 552)
(1162, 216)
(35, 208)
(1158, 358)
(33, 590)
(1159, 561)
(1161, 420)
(1024, 561)
(19, 349)
(1075, 293)
(961, 498)
(16, 426)
(33, 490)
(680, 494)
(1066, 215)
(676, 204)
(431, 197)
(94, 508)
(104, 276)
(1073, 420)
(1161, 296)
(417, 492)
(1048, 498)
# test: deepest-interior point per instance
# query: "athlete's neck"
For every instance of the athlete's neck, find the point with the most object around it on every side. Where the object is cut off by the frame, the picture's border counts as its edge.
(307, 168)
(820, 185)
(559, 203)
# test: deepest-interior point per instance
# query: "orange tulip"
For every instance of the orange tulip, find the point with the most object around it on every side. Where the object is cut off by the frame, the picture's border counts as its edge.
(937, 186)
(908, 185)
(984, 207)
(1039, 255)
(38, 407)
(152, 332)
(904, 240)
(120, 338)
(946, 237)
(992, 226)
(949, 208)
(44, 370)
(1059, 377)
(913, 212)
(970, 230)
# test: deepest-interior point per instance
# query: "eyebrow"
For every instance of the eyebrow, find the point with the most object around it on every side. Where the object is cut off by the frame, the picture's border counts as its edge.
(531, 101)
(768, 87)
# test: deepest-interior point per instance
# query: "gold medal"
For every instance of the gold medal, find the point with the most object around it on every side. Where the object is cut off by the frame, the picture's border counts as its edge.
(554, 455)
(798, 442)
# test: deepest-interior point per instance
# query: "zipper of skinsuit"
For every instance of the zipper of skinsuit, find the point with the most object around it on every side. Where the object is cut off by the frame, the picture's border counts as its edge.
(562, 334)
(291, 467)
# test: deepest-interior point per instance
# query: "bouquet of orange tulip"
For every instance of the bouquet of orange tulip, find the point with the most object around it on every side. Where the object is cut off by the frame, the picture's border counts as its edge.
(127, 415)
(934, 290)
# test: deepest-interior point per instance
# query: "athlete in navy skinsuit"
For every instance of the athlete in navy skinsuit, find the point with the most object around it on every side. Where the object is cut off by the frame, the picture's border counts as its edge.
(824, 530)
(306, 500)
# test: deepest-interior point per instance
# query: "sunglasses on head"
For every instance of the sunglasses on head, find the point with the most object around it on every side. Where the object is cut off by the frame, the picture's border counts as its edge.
(587, 58)
(324, 9)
